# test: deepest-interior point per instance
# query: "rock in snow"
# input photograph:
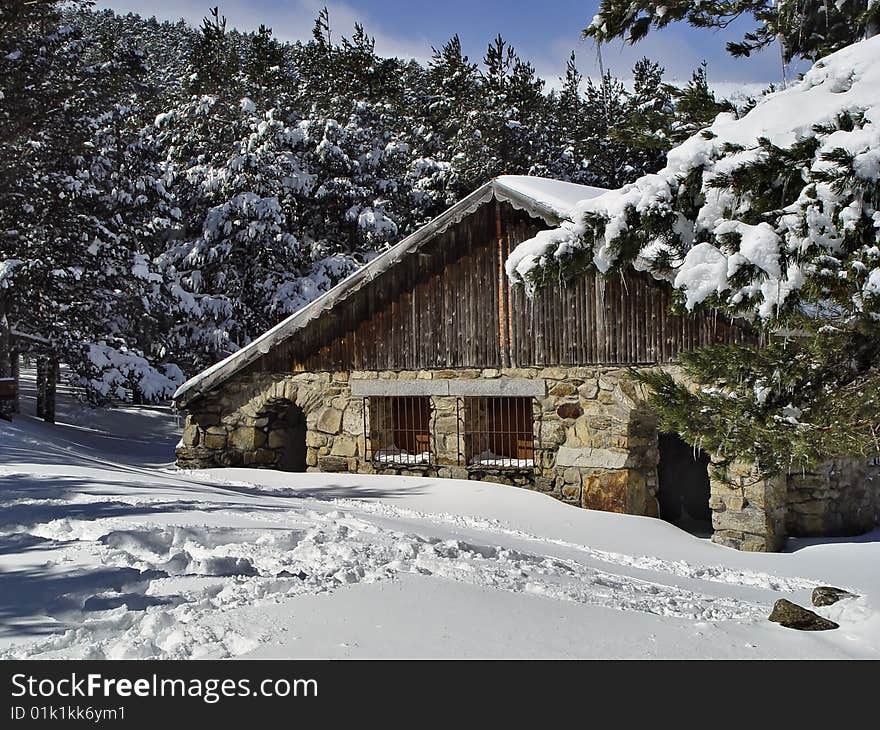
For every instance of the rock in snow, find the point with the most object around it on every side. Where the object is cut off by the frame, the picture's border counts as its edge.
(827, 595)
(797, 617)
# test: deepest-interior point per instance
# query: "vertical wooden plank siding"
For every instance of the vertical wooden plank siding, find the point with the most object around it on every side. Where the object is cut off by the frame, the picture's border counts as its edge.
(450, 305)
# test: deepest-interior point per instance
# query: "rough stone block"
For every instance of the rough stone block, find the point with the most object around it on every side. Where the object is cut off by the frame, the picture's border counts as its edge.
(190, 436)
(589, 390)
(569, 411)
(195, 458)
(513, 387)
(551, 434)
(755, 544)
(812, 508)
(636, 493)
(571, 476)
(366, 388)
(560, 390)
(353, 419)
(520, 372)
(214, 441)
(554, 373)
(329, 421)
(751, 520)
(793, 616)
(606, 491)
(332, 463)
(828, 595)
(590, 458)
(246, 438)
(734, 502)
(344, 446)
(260, 457)
(543, 484)
(277, 439)
(582, 433)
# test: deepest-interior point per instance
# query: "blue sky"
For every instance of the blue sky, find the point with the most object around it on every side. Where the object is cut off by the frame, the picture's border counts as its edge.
(543, 31)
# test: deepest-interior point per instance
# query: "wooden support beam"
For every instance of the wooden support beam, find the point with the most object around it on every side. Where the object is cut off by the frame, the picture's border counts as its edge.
(503, 340)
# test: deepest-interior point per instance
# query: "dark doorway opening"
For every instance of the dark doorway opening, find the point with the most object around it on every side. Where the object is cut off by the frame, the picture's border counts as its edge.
(683, 476)
(290, 424)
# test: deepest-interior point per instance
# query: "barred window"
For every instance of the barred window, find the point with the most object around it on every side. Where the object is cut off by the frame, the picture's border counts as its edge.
(498, 432)
(400, 429)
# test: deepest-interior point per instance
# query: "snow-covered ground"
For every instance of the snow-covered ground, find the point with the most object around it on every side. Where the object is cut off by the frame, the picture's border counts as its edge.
(107, 551)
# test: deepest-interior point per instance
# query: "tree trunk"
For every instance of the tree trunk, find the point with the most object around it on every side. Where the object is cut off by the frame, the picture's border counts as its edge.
(42, 367)
(52, 373)
(16, 404)
(5, 340)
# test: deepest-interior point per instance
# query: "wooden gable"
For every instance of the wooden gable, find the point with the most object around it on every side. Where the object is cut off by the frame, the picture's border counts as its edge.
(450, 305)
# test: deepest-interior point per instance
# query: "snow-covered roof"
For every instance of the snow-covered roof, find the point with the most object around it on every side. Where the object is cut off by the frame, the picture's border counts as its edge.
(550, 200)
(557, 196)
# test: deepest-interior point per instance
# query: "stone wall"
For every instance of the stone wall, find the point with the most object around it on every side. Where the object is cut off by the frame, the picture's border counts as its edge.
(244, 422)
(596, 446)
(841, 497)
(748, 512)
(596, 441)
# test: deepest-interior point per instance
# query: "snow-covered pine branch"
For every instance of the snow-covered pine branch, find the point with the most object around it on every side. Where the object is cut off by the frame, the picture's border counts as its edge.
(756, 215)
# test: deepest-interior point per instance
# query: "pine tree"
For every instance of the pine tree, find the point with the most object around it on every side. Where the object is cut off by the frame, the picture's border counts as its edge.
(568, 129)
(316, 62)
(67, 262)
(505, 131)
(453, 81)
(214, 58)
(265, 66)
(645, 127)
(695, 105)
(605, 108)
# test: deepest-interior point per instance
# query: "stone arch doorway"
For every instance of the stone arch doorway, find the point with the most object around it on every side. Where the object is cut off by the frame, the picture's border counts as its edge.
(683, 484)
(286, 429)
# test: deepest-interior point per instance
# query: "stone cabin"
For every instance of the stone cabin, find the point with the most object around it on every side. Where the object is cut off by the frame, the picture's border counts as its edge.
(427, 362)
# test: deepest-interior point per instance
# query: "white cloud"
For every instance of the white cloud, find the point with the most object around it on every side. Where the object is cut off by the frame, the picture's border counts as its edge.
(289, 19)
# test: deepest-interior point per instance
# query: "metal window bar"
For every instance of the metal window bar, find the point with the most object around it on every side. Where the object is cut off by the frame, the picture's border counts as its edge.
(400, 430)
(498, 432)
